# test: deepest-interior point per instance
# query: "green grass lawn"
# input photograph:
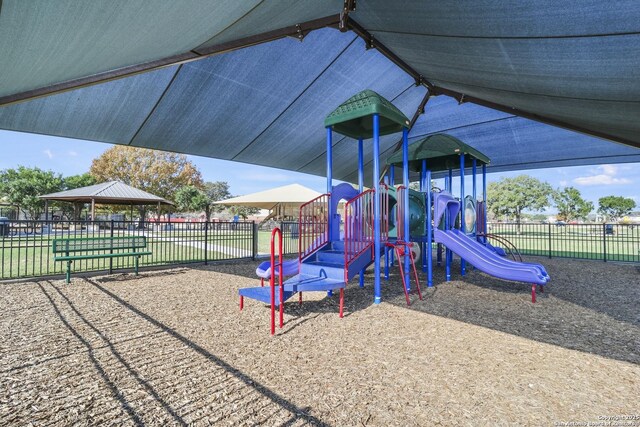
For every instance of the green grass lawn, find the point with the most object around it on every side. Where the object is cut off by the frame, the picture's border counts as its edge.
(32, 256)
(582, 241)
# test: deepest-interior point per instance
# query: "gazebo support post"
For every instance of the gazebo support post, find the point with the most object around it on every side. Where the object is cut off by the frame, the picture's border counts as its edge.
(46, 213)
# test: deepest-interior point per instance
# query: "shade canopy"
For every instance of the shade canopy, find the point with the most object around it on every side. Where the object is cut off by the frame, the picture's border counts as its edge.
(441, 151)
(288, 196)
(109, 193)
(231, 80)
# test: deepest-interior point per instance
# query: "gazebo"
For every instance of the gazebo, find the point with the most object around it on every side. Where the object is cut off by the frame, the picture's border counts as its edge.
(107, 193)
(282, 202)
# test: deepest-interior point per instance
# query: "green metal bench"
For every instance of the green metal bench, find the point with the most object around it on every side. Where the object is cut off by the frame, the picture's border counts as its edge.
(70, 250)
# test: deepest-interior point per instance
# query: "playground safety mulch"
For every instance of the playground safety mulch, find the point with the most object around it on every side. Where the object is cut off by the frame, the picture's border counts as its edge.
(171, 347)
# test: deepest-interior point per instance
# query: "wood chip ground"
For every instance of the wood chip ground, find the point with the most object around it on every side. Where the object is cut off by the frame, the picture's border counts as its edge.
(171, 348)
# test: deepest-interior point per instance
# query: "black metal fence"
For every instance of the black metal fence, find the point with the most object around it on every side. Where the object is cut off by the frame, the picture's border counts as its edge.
(289, 237)
(605, 242)
(25, 246)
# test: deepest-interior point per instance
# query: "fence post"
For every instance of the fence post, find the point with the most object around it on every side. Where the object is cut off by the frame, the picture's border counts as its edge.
(206, 242)
(604, 242)
(111, 250)
(254, 252)
(549, 234)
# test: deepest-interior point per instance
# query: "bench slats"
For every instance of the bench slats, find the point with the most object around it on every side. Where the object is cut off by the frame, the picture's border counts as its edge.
(102, 244)
(96, 256)
(91, 244)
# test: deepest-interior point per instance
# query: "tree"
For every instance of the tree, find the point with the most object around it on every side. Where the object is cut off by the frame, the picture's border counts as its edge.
(243, 211)
(216, 191)
(570, 204)
(157, 172)
(615, 207)
(72, 182)
(78, 181)
(190, 199)
(22, 186)
(510, 196)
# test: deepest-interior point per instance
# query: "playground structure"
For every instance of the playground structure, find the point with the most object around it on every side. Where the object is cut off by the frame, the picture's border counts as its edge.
(386, 220)
(444, 153)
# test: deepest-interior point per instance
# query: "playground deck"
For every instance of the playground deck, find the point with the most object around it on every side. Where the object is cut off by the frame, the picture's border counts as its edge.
(171, 347)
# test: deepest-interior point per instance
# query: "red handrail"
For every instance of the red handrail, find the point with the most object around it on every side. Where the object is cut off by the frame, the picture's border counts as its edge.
(313, 226)
(272, 280)
(359, 224)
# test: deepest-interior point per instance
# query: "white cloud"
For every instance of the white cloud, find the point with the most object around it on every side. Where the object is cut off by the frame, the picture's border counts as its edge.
(48, 153)
(72, 153)
(601, 180)
(603, 175)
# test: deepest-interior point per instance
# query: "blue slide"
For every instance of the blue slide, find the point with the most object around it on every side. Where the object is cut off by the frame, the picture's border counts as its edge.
(488, 261)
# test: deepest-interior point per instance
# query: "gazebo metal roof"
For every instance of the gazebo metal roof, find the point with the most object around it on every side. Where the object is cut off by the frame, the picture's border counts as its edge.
(113, 192)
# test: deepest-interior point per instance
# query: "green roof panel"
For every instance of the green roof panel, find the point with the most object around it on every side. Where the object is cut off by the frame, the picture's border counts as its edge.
(353, 117)
(441, 151)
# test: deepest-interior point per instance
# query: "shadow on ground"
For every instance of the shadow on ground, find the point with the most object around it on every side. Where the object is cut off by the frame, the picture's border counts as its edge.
(154, 376)
(588, 306)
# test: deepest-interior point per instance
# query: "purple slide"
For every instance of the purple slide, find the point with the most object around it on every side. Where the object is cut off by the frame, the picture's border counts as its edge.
(289, 268)
(488, 261)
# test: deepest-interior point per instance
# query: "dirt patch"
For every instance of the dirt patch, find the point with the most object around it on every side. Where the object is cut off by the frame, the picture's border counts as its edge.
(171, 347)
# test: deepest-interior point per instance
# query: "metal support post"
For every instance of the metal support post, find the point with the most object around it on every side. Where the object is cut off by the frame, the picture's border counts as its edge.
(376, 209)
(361, 187)
(405, 202)
(429, 233)
(463, 226)
(329, 184)
(424, 188)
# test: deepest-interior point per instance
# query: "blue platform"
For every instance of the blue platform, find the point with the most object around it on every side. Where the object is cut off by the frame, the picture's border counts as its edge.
(321, 271)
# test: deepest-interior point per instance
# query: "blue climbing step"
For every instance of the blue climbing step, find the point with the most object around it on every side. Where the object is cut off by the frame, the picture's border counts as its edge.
(263, 293)
(307, 283)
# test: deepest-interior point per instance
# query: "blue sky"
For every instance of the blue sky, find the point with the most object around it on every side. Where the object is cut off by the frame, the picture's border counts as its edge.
(71, 157)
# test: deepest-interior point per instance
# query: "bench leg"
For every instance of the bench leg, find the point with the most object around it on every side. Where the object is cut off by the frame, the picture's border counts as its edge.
(137, 259)
(68, 272)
